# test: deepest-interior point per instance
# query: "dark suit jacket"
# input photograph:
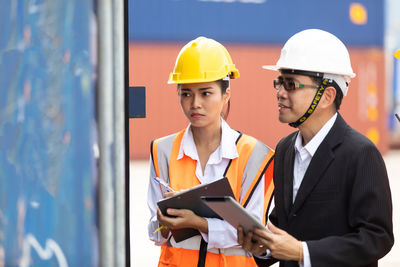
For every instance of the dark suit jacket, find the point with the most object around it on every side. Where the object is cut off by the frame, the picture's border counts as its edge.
(343, 208)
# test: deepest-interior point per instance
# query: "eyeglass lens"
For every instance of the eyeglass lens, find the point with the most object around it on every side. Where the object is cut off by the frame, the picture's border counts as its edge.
(288, 84)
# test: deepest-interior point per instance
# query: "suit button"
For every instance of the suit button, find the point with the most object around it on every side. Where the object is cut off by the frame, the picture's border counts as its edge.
(294, 215)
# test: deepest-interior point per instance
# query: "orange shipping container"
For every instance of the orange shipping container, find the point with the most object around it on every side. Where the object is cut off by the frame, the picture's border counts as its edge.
(253, 105)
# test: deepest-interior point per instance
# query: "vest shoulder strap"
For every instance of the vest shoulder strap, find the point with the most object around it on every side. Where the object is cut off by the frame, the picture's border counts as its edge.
(253, 161)
(160, 154)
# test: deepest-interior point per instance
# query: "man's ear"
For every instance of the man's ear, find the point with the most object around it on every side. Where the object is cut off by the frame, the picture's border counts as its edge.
(328, 97)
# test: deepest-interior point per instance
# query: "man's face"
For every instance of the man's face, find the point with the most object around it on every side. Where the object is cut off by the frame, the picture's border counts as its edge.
(292, 104)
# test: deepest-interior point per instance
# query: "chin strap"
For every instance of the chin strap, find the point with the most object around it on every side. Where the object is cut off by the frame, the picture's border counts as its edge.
(321, 89)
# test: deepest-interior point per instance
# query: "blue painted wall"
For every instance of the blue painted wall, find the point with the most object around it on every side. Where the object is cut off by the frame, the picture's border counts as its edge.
(252, 21)
(47, 167)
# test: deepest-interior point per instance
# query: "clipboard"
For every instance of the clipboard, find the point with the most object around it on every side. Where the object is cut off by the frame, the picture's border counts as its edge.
(191, 199)
(232, 212)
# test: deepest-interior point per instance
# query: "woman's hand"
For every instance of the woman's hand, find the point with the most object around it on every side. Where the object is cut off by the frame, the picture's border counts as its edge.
(169, 194)
(183, 219)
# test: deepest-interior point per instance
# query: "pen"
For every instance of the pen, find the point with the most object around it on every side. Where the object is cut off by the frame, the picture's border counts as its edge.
(164, 184)
(160, 228)
(397, 116)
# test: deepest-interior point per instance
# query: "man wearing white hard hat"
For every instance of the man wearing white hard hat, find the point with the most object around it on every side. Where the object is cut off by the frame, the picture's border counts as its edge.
(333, 203)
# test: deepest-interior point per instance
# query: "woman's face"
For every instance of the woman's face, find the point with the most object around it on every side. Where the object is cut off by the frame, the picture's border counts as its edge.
(202, 103)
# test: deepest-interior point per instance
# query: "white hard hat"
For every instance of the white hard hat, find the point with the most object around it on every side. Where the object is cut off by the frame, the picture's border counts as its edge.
(317, 51)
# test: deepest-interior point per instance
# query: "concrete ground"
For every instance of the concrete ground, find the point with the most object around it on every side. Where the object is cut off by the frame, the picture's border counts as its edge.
(145, 254)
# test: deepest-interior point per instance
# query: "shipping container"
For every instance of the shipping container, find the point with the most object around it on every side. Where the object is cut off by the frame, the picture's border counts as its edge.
(253, 32)
(254, 109)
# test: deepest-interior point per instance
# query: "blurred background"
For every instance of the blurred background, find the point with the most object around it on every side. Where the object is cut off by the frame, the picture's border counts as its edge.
(67, 145)
(254, 31)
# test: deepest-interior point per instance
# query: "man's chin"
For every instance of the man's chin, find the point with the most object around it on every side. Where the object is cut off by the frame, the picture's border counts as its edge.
(284, 120)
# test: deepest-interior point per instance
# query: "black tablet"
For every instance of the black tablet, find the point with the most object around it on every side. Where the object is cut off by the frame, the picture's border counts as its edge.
(190, 199)
(232, 212)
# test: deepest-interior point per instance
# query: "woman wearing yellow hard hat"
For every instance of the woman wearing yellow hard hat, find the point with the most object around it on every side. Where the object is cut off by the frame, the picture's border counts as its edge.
(206, 151)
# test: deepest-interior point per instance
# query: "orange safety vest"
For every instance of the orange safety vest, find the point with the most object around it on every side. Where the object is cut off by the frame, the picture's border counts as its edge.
(255, 159)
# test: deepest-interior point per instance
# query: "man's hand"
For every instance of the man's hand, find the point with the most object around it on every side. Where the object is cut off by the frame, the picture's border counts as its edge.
(184, 219)
(248, 243)
(282, 245)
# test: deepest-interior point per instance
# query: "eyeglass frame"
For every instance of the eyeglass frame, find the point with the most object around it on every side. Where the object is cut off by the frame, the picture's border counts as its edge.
(296, 84)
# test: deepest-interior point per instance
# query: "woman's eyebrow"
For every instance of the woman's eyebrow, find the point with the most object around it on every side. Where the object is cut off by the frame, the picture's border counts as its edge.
(202, 89)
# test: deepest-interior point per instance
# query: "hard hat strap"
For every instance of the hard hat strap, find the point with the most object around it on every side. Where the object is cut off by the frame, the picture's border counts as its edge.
(321, 89)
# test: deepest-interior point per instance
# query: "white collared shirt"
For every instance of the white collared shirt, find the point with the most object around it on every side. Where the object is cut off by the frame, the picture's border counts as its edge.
(303, 156)
(218, 160)
(220, 233)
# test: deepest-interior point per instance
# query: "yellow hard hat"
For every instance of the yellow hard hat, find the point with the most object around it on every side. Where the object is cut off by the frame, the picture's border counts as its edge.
(202, 60)
(397, 54)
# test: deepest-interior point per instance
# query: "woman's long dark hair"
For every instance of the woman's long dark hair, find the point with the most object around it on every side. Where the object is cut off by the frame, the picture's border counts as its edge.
(225, 85)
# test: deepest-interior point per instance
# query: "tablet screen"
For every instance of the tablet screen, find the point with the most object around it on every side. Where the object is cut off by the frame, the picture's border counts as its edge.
(232, 212)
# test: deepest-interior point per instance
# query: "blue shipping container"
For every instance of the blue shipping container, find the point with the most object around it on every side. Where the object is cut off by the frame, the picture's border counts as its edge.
(358, 23)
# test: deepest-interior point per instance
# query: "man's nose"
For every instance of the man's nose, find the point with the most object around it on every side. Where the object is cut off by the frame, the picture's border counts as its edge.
(281, 93)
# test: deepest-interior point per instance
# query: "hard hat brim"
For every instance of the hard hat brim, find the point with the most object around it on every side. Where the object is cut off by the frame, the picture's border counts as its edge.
(178, 79)
(278, 68)
(271, 67)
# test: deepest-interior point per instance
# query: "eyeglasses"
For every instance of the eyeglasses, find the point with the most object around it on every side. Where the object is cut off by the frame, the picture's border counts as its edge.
(289, 84)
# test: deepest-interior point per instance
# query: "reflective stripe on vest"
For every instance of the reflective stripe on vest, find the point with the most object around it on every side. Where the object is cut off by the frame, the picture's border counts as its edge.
(244, 173)
(193, 243)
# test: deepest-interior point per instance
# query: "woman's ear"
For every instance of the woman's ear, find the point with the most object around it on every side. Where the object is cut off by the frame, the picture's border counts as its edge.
(227, 95)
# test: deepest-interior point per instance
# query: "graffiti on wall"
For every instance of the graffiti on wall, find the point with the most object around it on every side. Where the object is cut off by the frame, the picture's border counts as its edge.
(47, 174)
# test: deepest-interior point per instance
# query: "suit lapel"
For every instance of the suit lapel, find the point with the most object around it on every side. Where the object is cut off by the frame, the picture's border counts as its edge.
(320, 162)
(288, 176)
